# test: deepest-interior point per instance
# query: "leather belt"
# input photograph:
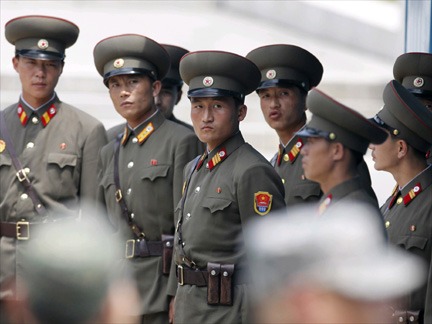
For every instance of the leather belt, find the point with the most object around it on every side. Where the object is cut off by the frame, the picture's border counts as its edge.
(19, 230)
(141, 248)
(199, 278)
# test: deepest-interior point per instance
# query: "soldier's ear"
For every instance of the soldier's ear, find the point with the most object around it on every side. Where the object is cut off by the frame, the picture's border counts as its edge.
(156, 88)
(242, 111)
(402, 148)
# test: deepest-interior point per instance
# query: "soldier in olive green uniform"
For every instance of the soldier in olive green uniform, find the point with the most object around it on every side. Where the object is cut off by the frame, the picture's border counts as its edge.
(288, 72)
(226, 187)
(56, 145)
(408, 212)
(414, 71)
(169, 96)
(151, 153)
(338, 137)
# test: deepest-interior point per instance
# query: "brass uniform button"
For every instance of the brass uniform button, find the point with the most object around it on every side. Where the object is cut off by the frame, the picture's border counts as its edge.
(399, 201)
(286, 157)
(283, 180)
(35, 120)
(387, 224)
(30, 145)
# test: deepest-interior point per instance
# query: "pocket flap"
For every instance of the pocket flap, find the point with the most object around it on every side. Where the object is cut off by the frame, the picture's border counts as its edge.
(62, 160)
(154, 172)
(305, 190)
(215, 204)
(107, 180)
(5, 160)
(409, 242)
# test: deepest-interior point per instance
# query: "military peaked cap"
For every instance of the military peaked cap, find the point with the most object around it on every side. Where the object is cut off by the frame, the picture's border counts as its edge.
(218, 74)
(131, 54)
(414, 71)
(405, 117)
(286, 64)
(339, 123)
(173, 77)
(41, 37)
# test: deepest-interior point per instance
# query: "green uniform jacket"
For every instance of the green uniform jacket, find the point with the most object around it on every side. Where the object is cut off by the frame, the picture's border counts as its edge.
(62, 158)
(409, 225)
(151, 174)
(298, 189)
(220, 200)
(349, 191)
(114, 131)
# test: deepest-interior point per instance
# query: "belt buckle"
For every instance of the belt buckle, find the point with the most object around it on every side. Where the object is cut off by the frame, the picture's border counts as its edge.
(131, 250)
(21, 175)
(180, 277)
(19, 235)
(118, 195)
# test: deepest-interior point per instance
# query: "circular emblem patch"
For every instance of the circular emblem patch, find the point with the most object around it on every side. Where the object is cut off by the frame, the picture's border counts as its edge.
(43, 44)
(221, 154)
(416, 189)
(418, 82)
(271, 74)
(118, 63)
(208, 81)
(52, 111)
(19, 110)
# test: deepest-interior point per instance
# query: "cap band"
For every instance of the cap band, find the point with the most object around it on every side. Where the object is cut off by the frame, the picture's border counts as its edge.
(40, 55)
(129, 71)
(212, 92)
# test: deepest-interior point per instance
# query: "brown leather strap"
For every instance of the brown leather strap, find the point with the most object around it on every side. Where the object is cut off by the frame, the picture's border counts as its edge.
(186, 276)
(19, 230)
(192, 277)
(141, 248)
(118, 194)
(21, 174)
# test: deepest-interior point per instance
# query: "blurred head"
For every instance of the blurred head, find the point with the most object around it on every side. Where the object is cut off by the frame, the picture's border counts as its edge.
(70, 275)
(327, 270)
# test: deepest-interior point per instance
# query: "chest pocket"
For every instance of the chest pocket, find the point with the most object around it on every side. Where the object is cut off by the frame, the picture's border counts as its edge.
(216, 204)
(5, 160)
(154, 172)
(410, 242)
(62, 160)
(304, 190)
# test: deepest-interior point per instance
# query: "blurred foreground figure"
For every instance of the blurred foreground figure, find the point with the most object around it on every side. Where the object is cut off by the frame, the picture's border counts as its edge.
(69, 278)
(332, 269)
